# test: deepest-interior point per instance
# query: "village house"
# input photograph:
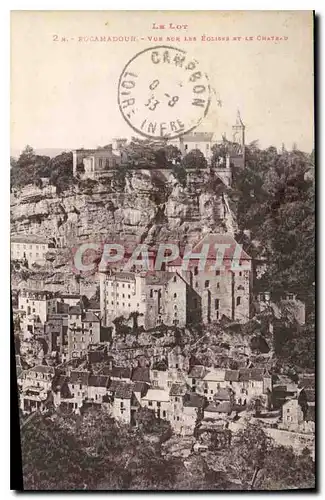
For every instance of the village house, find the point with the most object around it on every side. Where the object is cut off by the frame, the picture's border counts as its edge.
(155, 298)
(92, 163)
(118, 373)
(83, 330)
(29, 247)
(78, 387)
(176, 394)
(158, 401)
(212, 382)
(121, 396)
(36, 385)
(97, 388)
(37, 303)
(218, 411)
(223, 282)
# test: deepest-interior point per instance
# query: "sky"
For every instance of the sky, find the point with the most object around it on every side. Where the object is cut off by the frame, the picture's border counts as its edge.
(64, 93)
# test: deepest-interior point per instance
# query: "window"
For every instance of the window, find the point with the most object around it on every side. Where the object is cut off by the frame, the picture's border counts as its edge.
(176, 365)
(176, 399)
(116, 284)
(217, 273)
(158, 404)
(80, 386)
(218, 285)
(196, 271)
(117, 295)
(100, 162)
(90, 331)
(175, 306)
(207, 284)
(174, 279)
(123, 285)
(129, 296)
(164, 414)
(150, 403)
(123, 296)
(240, 273)
(123, 304)
(290, 296)
(238, 301)
(175, 314)
(112, 302)
(129, 286)
(177, 418)
(151, 293)
(175, 295)
(90, 325)
(217, 303)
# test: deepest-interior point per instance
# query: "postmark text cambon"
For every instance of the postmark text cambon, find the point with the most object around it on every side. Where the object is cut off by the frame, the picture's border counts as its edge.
(163, 92)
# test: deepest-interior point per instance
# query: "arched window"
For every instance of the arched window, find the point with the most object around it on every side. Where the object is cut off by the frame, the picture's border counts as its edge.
(238, 301)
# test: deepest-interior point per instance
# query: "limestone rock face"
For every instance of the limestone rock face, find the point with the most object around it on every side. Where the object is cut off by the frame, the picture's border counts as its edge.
(149, 205)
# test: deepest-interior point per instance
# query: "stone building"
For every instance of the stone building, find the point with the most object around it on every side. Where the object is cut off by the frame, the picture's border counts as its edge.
(149, 298)
(220, 272)
(29, 247)
(92, 163)
(83, 330)
(37, 303)
(204, 142)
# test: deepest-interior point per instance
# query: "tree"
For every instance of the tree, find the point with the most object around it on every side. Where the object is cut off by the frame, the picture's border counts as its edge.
(248, 452)
(284, 470)
(194, 159)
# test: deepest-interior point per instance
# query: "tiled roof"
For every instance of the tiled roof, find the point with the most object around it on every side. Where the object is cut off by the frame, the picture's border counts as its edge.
(246, 374)
(215, 375)
(117, 372)
(28, 238)
(78, 377)
(197, 371)
(75, 310)
(232, 375)
(224, 407)
(141, 387)
(141, 374)
(160, 277)
(121, 390)
(178, 389)
(98, 381)
(89, 317)
(123, 276)
(231, 251)
(43, 369)
(198, 137)
(191, 399)
(223, 395)
(157, 395)
(94, 304)
(307, 381)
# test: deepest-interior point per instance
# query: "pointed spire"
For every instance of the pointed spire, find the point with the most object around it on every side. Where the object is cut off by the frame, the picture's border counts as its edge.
(238, 119)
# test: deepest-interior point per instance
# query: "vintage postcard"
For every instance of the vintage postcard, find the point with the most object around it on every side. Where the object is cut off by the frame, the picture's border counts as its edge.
(162, 249)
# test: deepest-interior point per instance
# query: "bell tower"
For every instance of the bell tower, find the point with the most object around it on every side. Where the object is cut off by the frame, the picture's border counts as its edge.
(238, 131)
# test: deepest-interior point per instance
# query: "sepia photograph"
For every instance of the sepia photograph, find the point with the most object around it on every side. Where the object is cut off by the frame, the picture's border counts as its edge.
(162, 249)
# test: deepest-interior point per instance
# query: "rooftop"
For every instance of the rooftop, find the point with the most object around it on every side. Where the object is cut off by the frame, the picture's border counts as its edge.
(28, 238)
(157, 395)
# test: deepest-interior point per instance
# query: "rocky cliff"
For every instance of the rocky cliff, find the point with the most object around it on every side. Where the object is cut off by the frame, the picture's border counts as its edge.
(147, 206)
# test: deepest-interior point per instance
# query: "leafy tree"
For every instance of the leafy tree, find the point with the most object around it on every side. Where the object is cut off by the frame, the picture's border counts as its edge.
(194, 159)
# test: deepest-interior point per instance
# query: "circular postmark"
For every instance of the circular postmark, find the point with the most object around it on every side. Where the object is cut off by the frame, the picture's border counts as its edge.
(162, 93)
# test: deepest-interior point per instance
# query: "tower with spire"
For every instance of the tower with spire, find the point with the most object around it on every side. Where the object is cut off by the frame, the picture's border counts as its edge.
(238, 131)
